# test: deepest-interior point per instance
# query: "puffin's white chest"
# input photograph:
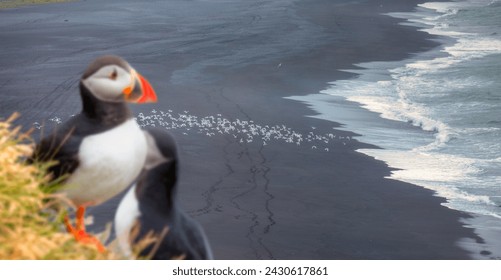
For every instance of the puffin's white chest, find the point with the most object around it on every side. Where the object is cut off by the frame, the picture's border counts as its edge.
(108, 163)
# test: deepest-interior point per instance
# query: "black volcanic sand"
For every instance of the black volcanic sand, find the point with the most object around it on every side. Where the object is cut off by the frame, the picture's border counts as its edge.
(239, 59)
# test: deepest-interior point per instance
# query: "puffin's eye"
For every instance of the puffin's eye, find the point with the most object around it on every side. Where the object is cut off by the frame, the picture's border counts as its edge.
(114, 75)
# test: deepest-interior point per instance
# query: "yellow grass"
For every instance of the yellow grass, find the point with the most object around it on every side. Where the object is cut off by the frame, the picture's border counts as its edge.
(30, 220)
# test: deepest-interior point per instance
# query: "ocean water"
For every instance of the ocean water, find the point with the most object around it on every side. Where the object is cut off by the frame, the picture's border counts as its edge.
(440, 110)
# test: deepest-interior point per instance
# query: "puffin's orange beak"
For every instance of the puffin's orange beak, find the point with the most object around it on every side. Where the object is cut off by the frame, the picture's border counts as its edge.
(149, 94)
(141, 91)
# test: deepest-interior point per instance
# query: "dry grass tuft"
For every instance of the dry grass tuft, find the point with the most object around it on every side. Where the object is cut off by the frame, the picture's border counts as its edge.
(30, 220)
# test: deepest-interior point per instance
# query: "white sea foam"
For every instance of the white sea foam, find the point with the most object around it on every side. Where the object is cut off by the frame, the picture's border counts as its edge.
(395, 100)
(443, 8)
(437, 172)
(474, 47)
(390, 99)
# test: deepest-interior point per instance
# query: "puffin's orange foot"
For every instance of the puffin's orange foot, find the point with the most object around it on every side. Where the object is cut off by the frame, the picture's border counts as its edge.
(85, 238)
(82, 236)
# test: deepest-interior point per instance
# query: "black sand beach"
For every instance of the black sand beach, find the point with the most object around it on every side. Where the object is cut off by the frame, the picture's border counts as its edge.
(240, 59)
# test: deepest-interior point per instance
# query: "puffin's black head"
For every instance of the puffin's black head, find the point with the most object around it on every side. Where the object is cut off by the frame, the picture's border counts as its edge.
(158, 179)
(112, 79)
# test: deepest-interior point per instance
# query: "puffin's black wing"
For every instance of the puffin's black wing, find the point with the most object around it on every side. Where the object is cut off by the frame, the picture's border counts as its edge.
(61, 146)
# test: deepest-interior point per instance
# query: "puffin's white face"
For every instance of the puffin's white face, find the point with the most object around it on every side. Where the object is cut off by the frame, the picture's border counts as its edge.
(110, 83)
(111, 79)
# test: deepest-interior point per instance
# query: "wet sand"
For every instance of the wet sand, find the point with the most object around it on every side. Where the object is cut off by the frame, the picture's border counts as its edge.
(265, 199)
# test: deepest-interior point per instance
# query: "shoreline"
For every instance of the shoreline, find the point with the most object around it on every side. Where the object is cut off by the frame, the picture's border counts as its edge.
(257, 202)
(485, 225)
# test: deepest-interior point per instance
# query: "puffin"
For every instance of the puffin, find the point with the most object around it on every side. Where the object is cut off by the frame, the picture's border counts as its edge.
(99, 152)
(150, 207)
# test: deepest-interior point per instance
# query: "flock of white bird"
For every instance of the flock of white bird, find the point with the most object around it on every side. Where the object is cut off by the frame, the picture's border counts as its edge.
(244, 131)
